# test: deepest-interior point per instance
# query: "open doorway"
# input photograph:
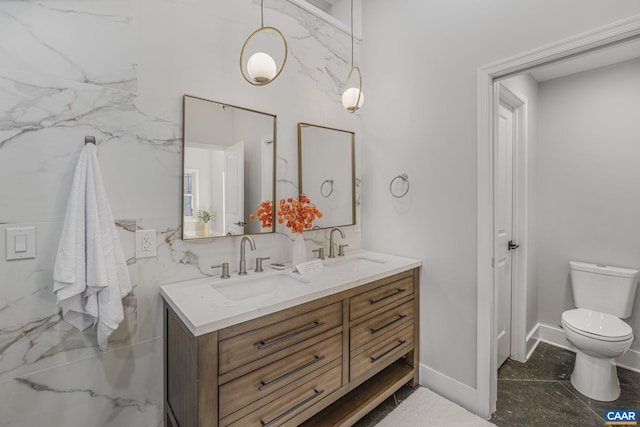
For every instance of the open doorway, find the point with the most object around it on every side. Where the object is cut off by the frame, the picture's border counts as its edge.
(606, 40)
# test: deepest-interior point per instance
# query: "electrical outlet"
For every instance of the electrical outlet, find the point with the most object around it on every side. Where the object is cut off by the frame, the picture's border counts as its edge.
(145, 243)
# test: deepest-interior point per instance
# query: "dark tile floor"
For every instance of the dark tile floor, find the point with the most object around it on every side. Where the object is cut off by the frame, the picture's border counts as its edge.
(539, 393)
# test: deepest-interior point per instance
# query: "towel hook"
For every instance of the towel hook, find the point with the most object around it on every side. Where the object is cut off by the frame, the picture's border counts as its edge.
(404, 177)
(322, 192)
(89, 140)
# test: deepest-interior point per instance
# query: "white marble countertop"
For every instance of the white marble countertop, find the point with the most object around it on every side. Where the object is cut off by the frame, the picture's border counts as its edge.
(203, 306)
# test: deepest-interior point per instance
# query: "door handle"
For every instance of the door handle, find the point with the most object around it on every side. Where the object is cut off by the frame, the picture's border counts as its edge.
(512, 245)
(240, 223)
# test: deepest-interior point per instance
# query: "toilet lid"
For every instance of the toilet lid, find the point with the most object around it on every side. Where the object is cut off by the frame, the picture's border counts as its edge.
(600, 325)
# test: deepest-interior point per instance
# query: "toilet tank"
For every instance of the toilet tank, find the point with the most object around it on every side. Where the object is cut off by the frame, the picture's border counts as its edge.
(606, 289)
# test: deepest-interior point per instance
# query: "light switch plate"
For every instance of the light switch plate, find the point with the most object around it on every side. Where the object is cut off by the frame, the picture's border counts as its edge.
(21, 243)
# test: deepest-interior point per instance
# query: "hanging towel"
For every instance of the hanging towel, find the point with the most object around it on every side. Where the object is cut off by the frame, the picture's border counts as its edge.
(90, 274)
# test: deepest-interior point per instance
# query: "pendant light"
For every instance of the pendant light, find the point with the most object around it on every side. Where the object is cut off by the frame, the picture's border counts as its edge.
(352, 97)
(261, 69)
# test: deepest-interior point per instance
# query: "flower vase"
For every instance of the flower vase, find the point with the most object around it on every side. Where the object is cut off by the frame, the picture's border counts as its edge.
(298, 251)
(205, 229)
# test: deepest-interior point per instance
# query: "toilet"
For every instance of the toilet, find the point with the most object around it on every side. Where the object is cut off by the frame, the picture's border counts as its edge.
(603, 296)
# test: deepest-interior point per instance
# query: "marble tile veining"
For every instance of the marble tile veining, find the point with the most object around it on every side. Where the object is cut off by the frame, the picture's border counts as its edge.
(33, 335)
(116, 388)
(539, 392)
(117, 70)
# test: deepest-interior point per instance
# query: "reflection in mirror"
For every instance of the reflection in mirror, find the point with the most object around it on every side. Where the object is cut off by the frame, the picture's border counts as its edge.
(326, 172)
(228, 168)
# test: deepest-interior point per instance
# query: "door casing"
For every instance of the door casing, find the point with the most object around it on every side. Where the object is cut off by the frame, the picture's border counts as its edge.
(626, 29)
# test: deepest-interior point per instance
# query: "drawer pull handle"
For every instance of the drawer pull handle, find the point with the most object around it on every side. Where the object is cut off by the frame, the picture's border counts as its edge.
(266, 384)
(392, 294)
(273, 341)
(400, 342)
(316, 393)
(379, 328)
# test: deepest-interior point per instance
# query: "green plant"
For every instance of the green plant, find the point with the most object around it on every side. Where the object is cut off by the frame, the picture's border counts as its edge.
(205, 216)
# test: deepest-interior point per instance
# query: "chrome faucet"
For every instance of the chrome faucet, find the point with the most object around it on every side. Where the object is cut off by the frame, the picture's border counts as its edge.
(242, 271)
(332, 245)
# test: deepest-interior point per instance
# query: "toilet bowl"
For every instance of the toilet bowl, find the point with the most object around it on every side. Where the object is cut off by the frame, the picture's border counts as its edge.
(603, 295)
(599, 338)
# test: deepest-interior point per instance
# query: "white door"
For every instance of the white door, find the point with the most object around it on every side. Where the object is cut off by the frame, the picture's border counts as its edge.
(503, 221)
(234, 189)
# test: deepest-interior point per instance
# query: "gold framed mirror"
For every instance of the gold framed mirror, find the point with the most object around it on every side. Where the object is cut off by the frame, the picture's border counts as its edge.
(326, 173)
(228, 168)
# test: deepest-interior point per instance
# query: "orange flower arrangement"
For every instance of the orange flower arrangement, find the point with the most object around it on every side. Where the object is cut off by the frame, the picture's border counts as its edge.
(299, 215)
(265, 214)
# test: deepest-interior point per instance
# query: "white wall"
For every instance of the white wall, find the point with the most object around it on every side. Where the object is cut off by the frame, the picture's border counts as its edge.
(589, 209)
(420, 118)
(117, 70)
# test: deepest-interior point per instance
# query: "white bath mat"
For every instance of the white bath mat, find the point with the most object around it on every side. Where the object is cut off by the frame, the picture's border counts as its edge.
(425, 408)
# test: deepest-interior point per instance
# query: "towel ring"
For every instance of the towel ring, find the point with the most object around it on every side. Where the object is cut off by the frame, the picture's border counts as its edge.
(404, 177)
(322, 192)
(89, 140)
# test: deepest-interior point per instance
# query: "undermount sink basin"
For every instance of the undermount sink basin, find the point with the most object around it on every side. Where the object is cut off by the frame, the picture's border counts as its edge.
(243, 289)
(350, 265)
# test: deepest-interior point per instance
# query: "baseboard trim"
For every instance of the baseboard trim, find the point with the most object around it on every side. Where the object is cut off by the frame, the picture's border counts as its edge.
(449, 388)
(555, 336)
(532, 341)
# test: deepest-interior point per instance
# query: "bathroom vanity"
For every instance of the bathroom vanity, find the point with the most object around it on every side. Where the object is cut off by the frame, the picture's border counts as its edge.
(275, 348)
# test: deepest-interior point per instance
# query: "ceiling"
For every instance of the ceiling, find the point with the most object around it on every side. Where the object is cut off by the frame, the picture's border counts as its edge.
(596, 59)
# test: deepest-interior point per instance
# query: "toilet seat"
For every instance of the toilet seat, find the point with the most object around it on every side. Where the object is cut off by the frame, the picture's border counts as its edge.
(596, 325)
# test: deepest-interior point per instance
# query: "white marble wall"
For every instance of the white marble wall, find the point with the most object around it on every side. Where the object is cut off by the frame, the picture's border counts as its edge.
(117, 69)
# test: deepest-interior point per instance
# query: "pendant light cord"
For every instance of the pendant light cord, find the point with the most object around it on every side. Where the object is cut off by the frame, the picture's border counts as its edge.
(262, 14)
(351, 33)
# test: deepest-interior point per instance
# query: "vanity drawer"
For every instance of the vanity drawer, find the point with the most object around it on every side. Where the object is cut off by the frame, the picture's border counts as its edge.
(265, 340)
(381, 296)
(378, 325)
(390, 347)
(263, 382)
(288, 405)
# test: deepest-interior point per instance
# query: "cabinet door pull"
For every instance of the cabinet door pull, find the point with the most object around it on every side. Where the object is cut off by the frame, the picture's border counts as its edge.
(316, 393)
(392, 294)
(273, 341)
(266, 384)
(379, 328)
(400, 342)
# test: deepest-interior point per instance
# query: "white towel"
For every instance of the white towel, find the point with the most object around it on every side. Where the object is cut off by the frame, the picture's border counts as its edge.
(90, 274)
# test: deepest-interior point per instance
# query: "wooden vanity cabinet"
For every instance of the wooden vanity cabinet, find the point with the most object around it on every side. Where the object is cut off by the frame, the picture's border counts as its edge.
(323, 363)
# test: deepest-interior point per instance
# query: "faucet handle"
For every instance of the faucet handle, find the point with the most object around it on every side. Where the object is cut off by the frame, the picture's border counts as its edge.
(259, 263)
(341, 249)
(320, 252)
(225, 270)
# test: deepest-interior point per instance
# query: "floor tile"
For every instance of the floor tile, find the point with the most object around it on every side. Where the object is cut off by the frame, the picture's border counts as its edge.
(546, 363)
(540, 403)
(629, 394)
(539, 392)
